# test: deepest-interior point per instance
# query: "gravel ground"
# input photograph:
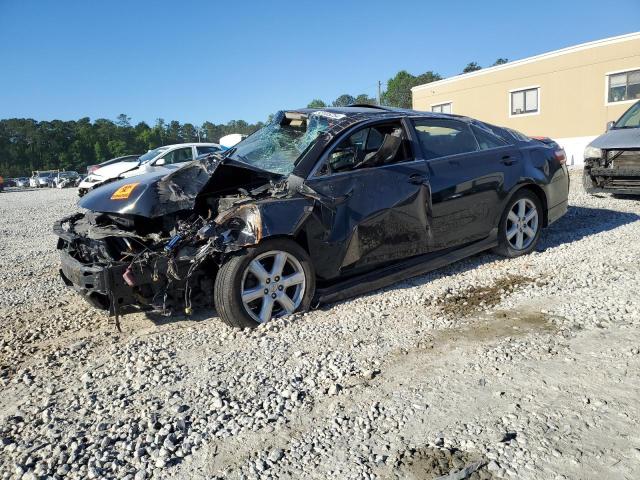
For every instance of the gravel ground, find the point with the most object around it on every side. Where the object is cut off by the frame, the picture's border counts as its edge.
(493, 368)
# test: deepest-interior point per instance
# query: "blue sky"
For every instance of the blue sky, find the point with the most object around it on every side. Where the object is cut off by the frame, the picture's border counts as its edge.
(203, 60)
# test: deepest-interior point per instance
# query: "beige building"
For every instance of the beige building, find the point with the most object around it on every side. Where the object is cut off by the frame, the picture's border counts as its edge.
(568, 95)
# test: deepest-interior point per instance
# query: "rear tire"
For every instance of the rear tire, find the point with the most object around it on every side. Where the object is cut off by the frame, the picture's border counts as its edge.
(520, 225)
(274, 279)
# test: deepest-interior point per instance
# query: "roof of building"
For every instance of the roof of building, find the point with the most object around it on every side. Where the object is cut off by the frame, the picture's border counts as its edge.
(535, 58)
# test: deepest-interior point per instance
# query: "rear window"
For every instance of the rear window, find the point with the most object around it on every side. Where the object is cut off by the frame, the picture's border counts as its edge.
(486, 139)
(520, 137)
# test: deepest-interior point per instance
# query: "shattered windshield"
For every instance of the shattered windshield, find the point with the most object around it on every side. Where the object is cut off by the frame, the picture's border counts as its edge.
(630, 119)
(277, 146)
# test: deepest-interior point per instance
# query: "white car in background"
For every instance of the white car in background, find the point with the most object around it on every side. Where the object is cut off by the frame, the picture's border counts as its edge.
(167, 157)
(41, 179)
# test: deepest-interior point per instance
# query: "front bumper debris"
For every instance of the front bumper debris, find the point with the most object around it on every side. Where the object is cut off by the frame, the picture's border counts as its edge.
(609, 180)
(106, 259)
(618, 171)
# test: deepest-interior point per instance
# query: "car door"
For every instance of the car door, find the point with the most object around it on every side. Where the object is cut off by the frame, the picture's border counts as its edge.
(467, 178)
(372, 194)
(177, 155)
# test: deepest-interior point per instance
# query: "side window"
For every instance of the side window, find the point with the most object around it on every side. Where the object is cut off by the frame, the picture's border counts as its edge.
(178, 155)
(203, 150)
(370, 147)
(486, 140)
(440, 138)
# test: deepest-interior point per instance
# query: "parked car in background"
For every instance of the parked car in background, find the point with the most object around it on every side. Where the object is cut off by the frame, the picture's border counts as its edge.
(318, 205)
(166, 158)
(22, 182)
(612, 161)
(66, 179)
(124, 158)
(9, 182)
(42, 178)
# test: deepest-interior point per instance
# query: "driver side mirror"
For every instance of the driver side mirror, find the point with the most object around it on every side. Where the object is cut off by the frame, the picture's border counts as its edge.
(160, 161)
(610, 125)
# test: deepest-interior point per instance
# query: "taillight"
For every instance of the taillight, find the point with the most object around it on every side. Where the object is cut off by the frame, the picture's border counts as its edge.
(561, 157)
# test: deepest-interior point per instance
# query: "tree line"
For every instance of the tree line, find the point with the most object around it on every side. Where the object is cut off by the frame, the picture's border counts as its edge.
(27, 144)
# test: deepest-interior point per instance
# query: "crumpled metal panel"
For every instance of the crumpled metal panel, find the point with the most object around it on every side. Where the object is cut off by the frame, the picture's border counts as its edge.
(155, 194)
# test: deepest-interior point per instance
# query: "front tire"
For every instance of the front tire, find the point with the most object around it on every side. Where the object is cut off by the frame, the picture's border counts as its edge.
(274, 279)
(520, 225)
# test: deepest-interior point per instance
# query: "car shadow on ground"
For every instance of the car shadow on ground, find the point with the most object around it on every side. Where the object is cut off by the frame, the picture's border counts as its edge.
(581, 222)
(198, 315)
(578, 223)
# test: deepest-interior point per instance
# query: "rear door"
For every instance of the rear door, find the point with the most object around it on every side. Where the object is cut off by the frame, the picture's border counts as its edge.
(468, 166)
(371, 213)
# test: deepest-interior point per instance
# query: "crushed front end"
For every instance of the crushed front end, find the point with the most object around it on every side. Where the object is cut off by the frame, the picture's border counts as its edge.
(612, 171)
(118, 270)
(122, 262)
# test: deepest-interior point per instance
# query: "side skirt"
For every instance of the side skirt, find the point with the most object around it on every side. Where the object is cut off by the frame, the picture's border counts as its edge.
(411, 267)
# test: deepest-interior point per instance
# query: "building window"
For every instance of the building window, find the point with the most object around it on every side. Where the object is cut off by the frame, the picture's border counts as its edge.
(624, 86)
(524, 101)
(441, 108)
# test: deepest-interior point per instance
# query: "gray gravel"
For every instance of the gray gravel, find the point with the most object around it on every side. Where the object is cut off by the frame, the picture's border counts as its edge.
(524, 368)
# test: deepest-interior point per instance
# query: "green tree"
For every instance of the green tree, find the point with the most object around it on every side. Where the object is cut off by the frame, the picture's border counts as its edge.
(364, 99)
(343, 100)
(398, 92)
(316, 103)
(500, 61)
(116, 148)
(471, 67)
(123, 121)
(100, 153)
(189, 133)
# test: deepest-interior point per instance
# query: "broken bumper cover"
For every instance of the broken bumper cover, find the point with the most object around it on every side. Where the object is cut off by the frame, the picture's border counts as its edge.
(612, 180)
(89, 281)
(102, 285)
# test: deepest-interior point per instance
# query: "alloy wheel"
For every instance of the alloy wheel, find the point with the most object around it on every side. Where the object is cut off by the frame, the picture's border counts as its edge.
(522, 224)
(273, 284)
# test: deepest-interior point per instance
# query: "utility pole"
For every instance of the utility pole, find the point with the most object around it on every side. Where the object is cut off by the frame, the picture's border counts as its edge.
(379, 93)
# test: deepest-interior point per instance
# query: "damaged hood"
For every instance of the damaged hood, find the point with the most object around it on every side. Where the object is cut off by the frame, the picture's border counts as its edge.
(618, 139)
(153, 194)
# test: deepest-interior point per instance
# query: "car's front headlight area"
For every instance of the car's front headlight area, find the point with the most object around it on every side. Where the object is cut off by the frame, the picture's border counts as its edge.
(592, 153)
(92, 179)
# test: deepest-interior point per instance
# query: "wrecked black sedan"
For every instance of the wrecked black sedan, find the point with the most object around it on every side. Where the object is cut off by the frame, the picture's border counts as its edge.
(317, 206)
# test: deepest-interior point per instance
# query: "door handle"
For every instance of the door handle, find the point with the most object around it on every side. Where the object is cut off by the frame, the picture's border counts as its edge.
(508, 160)
(416, 179)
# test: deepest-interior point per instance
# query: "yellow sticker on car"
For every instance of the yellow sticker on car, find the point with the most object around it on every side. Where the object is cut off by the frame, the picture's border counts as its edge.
(124, 191)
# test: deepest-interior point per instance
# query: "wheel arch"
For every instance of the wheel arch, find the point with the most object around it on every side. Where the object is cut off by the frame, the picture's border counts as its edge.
(539, 192)
(299, 237)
